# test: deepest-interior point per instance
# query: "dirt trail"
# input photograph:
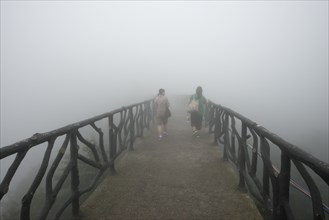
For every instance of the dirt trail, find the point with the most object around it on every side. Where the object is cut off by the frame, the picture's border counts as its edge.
(181, 177)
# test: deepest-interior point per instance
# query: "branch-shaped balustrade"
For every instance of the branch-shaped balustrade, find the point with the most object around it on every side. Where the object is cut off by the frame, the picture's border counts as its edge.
(128, 123)
(274, 186)
(124, 126)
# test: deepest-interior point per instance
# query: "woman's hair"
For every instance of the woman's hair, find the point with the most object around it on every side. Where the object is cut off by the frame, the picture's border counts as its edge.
(161, 91)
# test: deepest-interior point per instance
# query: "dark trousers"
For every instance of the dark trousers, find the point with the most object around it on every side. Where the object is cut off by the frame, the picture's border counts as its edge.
(196, 120)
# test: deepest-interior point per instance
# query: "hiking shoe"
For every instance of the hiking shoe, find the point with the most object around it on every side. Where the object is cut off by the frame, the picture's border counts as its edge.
(195, 133)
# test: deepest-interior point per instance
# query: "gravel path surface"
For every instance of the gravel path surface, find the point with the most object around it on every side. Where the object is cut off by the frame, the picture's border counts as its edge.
(181, 177)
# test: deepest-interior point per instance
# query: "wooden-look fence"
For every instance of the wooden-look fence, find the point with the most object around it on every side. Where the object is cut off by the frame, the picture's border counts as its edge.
(124, 126)
(244, 143)
(271, 189)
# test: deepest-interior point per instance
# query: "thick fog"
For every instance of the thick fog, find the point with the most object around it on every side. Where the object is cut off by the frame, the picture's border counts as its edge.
(62, 62)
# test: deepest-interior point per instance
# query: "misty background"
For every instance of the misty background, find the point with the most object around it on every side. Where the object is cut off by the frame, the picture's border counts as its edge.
(62, 62)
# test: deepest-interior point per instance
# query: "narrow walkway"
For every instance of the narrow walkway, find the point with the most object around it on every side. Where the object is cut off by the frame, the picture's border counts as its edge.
(180, 178)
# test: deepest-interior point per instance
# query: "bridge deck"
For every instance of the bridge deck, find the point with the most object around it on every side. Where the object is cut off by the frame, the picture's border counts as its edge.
(181, 177)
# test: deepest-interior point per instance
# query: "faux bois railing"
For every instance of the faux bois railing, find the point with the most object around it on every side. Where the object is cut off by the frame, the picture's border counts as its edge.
(124, 125)
(245, 142)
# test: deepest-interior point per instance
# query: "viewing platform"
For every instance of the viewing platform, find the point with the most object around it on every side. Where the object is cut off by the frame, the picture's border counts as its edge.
(180, 177)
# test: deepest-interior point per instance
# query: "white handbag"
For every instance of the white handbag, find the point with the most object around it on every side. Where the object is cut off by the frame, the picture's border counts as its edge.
(193, 106)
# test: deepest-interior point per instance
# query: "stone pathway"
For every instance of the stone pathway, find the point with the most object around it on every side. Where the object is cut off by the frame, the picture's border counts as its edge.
(181, 177)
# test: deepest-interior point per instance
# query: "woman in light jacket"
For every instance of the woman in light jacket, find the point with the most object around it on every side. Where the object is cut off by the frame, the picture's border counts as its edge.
(161, 118)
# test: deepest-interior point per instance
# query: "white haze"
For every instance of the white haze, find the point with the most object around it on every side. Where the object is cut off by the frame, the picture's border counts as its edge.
(62, 62)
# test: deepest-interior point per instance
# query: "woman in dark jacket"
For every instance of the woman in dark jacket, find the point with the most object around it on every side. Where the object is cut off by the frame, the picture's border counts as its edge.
(197, 106)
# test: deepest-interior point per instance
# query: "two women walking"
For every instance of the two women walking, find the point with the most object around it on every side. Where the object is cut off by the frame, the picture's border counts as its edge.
(196, 108)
